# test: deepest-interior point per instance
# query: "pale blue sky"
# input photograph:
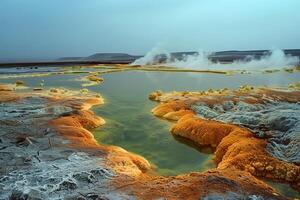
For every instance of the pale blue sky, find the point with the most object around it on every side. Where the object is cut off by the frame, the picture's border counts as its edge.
(56, 28)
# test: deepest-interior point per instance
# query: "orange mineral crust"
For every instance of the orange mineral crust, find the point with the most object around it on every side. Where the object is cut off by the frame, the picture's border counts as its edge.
(75, 126)
(236, 147)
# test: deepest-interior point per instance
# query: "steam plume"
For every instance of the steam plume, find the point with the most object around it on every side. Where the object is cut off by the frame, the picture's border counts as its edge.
(276, 59)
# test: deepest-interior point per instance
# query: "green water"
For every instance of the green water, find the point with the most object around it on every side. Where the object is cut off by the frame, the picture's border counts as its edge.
(131, 126)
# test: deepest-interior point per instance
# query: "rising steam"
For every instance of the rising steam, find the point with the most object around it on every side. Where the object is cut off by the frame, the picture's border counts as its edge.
(276, 59)
(152, 57)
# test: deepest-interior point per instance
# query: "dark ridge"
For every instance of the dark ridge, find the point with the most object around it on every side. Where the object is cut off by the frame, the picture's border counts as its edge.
(70, 58)
(123, 58)
(102, 57)
(111, 56)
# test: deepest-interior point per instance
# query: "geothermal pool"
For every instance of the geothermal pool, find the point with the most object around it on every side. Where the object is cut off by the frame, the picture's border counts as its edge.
(127, 110)
(131, 125)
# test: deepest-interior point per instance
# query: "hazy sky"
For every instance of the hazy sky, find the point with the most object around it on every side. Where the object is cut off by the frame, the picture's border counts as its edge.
(56, 28)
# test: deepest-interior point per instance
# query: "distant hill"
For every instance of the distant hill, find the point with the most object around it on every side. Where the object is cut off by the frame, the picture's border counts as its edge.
(103, 57)
(123, 58)
(70, 58)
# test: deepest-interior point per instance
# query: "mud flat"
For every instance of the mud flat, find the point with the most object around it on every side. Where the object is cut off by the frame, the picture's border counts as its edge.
(48, 152)
(252, 130)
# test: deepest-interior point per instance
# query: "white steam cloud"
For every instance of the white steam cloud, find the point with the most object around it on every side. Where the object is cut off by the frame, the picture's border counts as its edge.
(151, 57)
(275, 60)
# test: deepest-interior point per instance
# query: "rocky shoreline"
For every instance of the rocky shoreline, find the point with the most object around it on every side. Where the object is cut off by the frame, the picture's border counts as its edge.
(48, 152)
(253, 130)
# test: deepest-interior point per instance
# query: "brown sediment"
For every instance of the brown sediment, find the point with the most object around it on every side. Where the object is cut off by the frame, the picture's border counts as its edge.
(37, 89)
(197, 185)
(7, 95)
(19, 82)
(94, 78)
(5, 88)
(236, 148)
